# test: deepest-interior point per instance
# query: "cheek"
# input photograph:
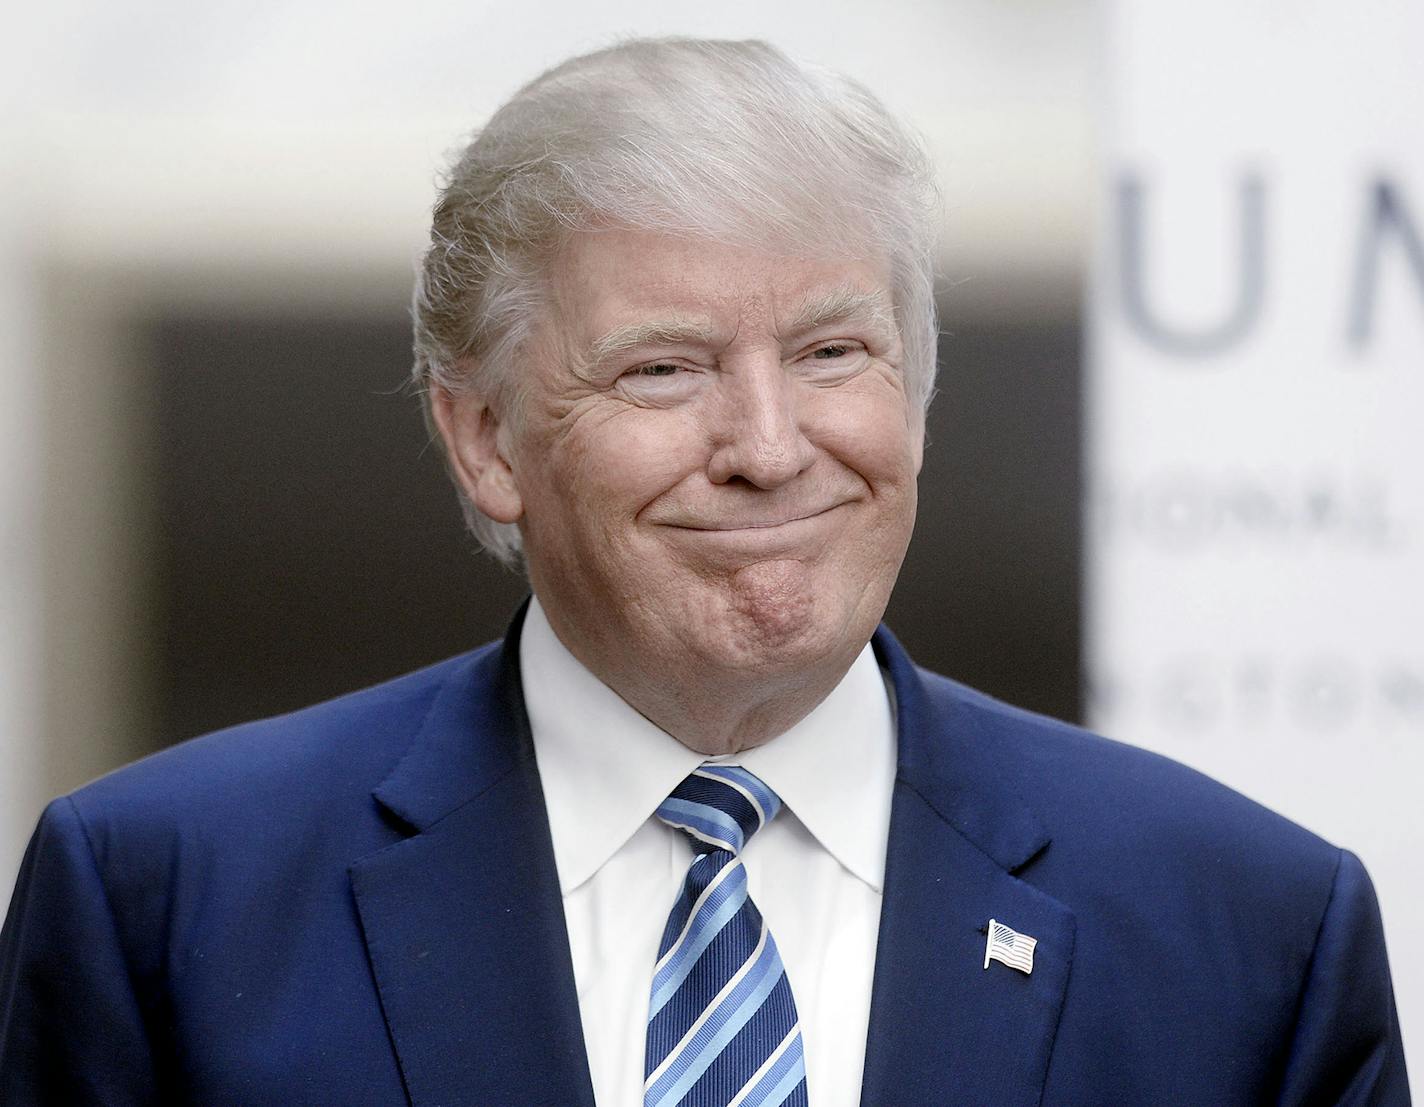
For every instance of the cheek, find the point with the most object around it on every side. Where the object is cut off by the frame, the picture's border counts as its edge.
(873, 439)
(607, 477)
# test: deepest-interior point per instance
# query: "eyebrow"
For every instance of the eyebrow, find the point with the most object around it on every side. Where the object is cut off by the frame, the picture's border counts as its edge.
(654, 332)
(842, 305)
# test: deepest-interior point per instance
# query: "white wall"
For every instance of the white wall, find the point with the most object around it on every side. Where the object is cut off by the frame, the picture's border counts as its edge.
(21, 771)
(1257, 525)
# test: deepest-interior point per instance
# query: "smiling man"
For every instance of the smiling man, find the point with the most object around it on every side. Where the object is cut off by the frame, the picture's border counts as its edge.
(697, 831)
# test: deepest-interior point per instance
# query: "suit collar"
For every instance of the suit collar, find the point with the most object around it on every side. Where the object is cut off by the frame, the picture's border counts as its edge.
(949, 761)
(943, 1028)
(444, 766)
(463, 920)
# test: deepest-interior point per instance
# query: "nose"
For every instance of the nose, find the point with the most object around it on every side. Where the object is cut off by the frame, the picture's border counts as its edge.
(761, 438)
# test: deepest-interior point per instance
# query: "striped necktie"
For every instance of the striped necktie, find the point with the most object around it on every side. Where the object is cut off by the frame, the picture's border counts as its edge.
(722, 1026)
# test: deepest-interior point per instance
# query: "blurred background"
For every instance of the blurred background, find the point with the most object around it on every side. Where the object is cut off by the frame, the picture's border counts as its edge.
(1173, 488)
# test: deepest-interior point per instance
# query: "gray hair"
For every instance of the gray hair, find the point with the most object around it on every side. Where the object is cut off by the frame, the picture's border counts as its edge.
(725, 140)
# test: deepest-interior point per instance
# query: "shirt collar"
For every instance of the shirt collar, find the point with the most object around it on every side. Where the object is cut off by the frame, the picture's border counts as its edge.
(605, 768)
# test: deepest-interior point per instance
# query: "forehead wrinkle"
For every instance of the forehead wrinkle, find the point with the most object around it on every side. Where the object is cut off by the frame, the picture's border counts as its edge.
(842, 305)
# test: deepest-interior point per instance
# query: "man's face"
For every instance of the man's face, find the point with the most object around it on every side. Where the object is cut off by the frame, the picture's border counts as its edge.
(714, 465)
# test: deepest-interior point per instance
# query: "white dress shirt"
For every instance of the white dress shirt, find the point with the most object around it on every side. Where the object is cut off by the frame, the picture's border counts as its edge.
(816, 873)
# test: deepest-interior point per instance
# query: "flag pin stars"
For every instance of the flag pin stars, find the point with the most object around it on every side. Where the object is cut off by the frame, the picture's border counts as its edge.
(1007, 946)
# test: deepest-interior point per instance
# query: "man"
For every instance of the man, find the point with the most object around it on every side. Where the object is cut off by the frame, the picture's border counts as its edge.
(696, 831)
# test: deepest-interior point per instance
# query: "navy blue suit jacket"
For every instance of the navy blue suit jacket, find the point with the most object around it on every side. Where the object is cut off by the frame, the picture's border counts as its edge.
(357, 904)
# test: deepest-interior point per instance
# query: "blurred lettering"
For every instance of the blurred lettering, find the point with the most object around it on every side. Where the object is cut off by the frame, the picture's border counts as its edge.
(1203, 696)
(1249, 276)
(1183, 510)
(1386, 218)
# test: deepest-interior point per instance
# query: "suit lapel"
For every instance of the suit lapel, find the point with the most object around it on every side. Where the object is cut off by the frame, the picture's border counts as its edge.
(463, 921)
(943, 1029)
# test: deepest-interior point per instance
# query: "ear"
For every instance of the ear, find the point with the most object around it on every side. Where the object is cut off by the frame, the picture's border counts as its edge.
(478, 453)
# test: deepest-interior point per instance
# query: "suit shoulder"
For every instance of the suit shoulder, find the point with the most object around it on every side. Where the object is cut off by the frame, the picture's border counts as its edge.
(1107, 792)
(347, 744)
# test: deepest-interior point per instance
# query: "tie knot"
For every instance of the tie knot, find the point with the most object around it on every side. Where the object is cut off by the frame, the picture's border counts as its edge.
(720, 807)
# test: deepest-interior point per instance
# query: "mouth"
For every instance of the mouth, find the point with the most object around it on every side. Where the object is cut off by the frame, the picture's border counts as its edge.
(798, 536)
(725, 526)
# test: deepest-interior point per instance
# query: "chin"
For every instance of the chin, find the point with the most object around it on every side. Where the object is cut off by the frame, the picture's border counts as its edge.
(768, 625)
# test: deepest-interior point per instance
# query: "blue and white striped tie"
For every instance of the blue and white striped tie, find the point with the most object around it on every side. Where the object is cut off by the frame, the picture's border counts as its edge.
(722, 1026)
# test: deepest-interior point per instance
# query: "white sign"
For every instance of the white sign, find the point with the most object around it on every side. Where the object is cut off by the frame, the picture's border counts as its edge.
(1256, 420)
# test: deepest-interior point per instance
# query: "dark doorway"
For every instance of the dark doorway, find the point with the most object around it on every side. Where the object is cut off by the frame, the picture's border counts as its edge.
(310, 543)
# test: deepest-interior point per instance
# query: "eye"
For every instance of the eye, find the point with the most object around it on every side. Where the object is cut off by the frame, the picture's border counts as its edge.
(833, 362)
(659, 383)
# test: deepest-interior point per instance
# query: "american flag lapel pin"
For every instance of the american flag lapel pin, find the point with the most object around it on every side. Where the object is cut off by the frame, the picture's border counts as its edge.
(1007, 946)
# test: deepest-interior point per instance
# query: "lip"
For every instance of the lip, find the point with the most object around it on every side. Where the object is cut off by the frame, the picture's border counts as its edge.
(739, 542)
(738, 526)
